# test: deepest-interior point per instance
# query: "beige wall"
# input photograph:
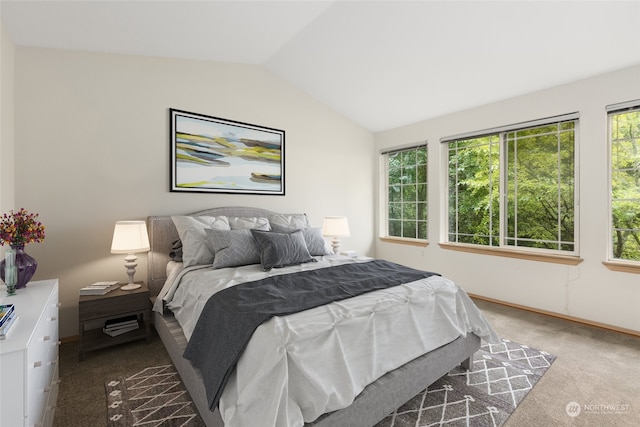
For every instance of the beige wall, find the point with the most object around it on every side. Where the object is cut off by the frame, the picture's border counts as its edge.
(92, 147)
(589, 290)
(7, 50)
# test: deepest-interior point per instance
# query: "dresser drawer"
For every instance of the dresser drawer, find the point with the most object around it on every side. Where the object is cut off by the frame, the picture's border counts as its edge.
(42, 355)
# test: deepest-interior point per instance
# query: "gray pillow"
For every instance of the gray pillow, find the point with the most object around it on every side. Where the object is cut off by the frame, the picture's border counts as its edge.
(316, 244)
(191, 229)
(176, 251)
(281, 249)
(233, 248)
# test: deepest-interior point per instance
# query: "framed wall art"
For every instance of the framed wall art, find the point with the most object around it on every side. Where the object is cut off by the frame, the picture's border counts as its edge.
(215, 155)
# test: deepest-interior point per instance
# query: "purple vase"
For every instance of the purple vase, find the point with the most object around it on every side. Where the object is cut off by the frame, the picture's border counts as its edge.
(26, 264)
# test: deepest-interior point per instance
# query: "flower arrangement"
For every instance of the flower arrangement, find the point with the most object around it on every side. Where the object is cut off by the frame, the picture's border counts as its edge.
(20, 228)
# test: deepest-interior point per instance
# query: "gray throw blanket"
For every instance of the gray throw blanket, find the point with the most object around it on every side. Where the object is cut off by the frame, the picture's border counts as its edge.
(230, 317)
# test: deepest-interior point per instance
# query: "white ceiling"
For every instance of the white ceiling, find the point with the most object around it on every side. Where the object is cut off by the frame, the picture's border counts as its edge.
(382, 64)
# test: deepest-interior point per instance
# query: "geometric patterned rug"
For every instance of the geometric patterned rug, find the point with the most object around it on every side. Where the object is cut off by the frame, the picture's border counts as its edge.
(502, 376)
(153, 397)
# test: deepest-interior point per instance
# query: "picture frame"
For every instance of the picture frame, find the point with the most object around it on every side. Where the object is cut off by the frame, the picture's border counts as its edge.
(215, 155)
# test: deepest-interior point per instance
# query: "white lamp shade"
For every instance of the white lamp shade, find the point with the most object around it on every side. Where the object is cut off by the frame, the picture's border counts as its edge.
(335, 226)
(130, 237)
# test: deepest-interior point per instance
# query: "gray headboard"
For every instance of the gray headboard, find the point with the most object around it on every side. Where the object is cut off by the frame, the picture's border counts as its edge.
(162, 233)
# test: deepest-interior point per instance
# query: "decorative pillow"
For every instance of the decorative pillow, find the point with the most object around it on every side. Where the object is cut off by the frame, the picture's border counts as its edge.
(281, 249)
(233, 248)
(176, 251)
(313, 238)
(257, 223)
(290, 221)
(315, 241)
(191, 229)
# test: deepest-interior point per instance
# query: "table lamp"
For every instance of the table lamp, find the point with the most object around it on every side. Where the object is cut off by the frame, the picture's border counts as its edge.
(130, 237)
(335, 227)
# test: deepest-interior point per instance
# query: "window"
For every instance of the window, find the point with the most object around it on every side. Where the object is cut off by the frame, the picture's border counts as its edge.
(514, 187)
(407, 192)
(624, 142)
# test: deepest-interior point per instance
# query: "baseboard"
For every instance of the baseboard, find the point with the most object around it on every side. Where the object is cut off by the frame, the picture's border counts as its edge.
(558, 315)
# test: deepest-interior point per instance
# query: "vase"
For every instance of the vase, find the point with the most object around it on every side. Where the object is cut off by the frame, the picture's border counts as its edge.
(26, 266)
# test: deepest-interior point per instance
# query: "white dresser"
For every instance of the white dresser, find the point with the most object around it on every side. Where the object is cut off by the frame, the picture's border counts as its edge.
(29, 357)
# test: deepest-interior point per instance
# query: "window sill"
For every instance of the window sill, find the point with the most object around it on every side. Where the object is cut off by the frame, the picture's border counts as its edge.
(557, 259)
(626, 267)
(405, 241)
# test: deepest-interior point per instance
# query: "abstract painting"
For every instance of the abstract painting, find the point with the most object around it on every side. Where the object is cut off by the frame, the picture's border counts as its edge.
(214, 155)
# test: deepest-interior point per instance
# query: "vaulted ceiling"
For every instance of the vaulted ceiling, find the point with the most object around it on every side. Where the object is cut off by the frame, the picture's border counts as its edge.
(382, 64)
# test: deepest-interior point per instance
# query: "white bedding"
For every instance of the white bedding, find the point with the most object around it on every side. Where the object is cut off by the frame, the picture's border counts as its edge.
(300, 366)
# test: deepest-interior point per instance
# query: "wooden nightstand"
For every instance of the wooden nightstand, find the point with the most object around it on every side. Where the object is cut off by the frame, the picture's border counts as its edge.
(94, 310)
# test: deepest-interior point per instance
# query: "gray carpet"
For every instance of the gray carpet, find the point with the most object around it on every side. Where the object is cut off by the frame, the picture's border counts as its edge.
(502, 376)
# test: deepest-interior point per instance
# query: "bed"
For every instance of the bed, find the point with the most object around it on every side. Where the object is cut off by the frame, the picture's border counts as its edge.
(299, 395)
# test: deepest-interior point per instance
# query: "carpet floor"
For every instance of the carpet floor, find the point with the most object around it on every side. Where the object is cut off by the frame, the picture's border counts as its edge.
(502, 376)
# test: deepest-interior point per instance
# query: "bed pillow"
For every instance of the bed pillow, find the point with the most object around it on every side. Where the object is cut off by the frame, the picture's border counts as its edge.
(290, 221)
(176, 251)
(316, 244)
(233, 248)
(246, 223)
(281, 249)
(191, 229)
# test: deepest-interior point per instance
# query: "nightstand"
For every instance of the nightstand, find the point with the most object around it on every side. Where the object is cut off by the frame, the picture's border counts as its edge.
(94, 310)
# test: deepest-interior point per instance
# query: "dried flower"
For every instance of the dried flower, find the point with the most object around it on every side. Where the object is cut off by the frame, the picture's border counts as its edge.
(20, 228)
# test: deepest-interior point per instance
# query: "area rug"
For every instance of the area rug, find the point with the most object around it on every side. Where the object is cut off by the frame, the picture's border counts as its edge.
(502, 376)
(153, 397)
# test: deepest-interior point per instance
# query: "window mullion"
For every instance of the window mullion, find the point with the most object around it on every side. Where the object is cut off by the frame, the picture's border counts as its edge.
(559, 189)
(503, 165)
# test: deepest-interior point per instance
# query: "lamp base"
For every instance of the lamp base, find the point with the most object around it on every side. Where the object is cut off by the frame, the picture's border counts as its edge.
(130, 286)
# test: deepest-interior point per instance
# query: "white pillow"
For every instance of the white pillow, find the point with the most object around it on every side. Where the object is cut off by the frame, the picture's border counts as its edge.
(247, 223)
(290, 221)
(196, 249)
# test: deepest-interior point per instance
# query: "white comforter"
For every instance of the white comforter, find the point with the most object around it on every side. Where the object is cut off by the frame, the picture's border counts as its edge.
(300, 366)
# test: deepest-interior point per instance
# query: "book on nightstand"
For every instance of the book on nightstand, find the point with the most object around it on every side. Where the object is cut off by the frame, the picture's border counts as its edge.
(99, 288)
(121, 325)
(119, 331)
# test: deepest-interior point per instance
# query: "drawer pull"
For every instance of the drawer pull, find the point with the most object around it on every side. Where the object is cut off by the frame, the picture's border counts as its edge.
(46, 389)
(53, 318)
(57, 304)
(46, 338)
(37, 364)
(51, 362)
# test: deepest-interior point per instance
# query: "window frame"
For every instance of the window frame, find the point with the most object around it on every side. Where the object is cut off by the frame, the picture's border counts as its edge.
(384, 234)
(504, 249)
(616, 264)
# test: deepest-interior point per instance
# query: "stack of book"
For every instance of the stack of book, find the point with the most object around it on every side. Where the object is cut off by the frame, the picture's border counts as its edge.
(122, 325)
(99, 288)
(8, 317)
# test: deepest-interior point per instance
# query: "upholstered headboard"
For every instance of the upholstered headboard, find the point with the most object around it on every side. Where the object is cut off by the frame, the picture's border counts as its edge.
(163, 232)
